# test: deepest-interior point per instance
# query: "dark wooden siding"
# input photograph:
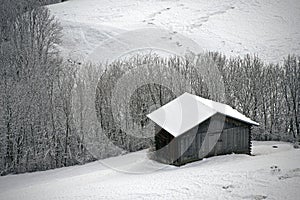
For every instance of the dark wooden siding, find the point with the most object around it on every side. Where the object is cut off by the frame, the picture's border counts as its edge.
(234, 138)
(165, 146)
(162, 138)
(188, 146)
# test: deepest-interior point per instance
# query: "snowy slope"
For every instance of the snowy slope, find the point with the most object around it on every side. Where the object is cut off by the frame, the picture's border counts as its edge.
(221, 177)
(269, 28)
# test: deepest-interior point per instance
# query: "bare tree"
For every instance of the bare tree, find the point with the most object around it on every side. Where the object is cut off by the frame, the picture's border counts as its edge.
(292, 93)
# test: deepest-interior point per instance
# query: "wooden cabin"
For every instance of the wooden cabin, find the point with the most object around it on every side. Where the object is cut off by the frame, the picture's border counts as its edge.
(190, 128)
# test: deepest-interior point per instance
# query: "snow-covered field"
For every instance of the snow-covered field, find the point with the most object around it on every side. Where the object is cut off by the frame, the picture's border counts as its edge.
(268, 28)
(221, 177)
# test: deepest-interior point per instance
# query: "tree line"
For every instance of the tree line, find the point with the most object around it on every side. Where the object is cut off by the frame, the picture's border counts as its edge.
(267, 93)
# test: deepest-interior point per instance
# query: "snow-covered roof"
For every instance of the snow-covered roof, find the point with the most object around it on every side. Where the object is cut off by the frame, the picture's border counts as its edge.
(187, 111)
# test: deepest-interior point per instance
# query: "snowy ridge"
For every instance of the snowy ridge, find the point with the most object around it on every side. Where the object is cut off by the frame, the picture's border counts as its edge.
(269, 29)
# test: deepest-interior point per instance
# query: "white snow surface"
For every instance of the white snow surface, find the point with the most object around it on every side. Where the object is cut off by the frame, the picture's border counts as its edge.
(225, 110)
(181, 114)
(188, 110)
(268, 28)
(235, 176)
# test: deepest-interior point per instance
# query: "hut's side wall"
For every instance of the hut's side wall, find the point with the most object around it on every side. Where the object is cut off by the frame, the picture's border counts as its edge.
(234, 138)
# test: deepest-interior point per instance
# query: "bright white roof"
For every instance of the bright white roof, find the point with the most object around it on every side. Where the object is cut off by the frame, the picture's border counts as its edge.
(187, 110)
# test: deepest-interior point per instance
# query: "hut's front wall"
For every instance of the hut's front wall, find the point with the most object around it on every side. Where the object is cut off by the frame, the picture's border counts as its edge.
(165, 146)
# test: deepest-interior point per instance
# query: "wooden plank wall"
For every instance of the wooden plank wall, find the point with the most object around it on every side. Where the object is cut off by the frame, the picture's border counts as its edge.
(235, 138)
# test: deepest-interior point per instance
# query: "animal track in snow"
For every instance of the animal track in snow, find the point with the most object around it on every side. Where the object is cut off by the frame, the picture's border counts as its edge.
(256, 197)
(290, 174)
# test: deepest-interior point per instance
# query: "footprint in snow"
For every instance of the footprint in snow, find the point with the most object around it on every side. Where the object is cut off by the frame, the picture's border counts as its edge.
(178, 44)
(275, 169)
(256, 197)
(228, 188)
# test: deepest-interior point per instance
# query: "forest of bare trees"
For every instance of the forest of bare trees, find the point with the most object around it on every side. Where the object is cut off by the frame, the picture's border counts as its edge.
(35, 120)
(267, 93)
(44, 117)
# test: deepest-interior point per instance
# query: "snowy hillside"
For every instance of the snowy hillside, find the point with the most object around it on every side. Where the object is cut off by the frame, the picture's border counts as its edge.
(269, 28)
(273, 173)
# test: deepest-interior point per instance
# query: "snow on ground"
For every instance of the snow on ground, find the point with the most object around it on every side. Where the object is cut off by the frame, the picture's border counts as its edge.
(269, 28)
(222, 177)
